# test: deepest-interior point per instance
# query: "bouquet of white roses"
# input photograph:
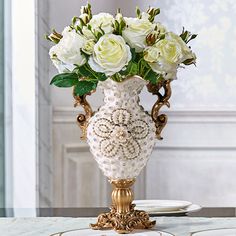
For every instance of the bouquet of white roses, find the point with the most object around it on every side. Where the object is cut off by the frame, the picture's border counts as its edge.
(97, 47)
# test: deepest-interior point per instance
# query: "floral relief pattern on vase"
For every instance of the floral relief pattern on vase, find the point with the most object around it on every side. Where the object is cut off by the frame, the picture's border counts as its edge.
(121, 135)
(120, 132)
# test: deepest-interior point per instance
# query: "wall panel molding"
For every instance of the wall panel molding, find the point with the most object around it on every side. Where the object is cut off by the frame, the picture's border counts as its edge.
(83, 183)
(68, 115)
(196, 144)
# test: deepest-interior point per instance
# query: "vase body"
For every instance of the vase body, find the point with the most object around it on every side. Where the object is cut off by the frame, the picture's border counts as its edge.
(121, 135)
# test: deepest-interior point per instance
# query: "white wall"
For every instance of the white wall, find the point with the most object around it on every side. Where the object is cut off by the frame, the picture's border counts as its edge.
(196, 161)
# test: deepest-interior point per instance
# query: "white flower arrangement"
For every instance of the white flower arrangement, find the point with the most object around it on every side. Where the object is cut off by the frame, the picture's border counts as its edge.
(97, 47)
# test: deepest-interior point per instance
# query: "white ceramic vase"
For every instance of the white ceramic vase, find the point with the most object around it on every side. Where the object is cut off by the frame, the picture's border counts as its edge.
(121, 135)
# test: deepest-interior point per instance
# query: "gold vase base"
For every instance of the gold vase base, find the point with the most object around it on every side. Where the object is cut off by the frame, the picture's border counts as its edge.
(123, 223)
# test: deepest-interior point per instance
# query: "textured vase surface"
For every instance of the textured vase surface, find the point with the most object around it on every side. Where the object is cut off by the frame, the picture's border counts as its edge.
(121, 135)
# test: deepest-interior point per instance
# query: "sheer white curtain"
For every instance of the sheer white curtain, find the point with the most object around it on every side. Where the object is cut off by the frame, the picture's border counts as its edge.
(20, 100)
(200, 133)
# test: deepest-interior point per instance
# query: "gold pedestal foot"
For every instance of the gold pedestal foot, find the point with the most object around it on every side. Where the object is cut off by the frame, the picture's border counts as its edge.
(122, 217)
(123, 223)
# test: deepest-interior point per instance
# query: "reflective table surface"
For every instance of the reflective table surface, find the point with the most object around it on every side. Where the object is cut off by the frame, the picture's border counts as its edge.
(56, 220)
(93, 212)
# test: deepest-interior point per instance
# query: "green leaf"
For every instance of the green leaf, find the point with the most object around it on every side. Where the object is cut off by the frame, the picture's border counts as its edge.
(152, 76)
(117, 77)
(74, 19)
(98, 35)
(116, 25)
(187, 36)
(84, 87)
(82, 23)
(189, 61)
(133, 69)
(85, 54)
(184, 35)
(122, 25)
(143, 67)
(193, 36)
(136, 56)
(133, 53)
(87, 72)
(65, 80)
(78, 29)
(153, 12)
(84, 72)
(162, 37)
(101, 76)
(138, 13)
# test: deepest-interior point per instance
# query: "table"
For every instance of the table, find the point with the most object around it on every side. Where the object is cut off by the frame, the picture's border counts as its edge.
(179, 226)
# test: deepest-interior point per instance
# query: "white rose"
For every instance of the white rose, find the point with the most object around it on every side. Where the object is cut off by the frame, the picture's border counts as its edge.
(165, 56)
(186, 52)
(152, 54)
(88, 46)
(111, 54)
(87, 33)
(103, 20)
(66, 30)
(61, 67)
(68, 49)
(173, 49)
(136, 31)
(170, 51)
(168, 71)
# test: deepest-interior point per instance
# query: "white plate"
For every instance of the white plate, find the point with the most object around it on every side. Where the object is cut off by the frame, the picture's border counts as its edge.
(86, 232)
(161, 205)
(191, 208)
(216, 232)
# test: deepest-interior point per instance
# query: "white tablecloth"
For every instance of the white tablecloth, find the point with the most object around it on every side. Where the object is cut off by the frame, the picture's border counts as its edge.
(179, 226)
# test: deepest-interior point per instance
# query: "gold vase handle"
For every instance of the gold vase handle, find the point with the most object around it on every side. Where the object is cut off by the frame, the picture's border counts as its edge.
(160, 120)
(83, 119)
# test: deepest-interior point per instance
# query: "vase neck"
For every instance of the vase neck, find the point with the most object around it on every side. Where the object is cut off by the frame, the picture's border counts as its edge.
(130, 87)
